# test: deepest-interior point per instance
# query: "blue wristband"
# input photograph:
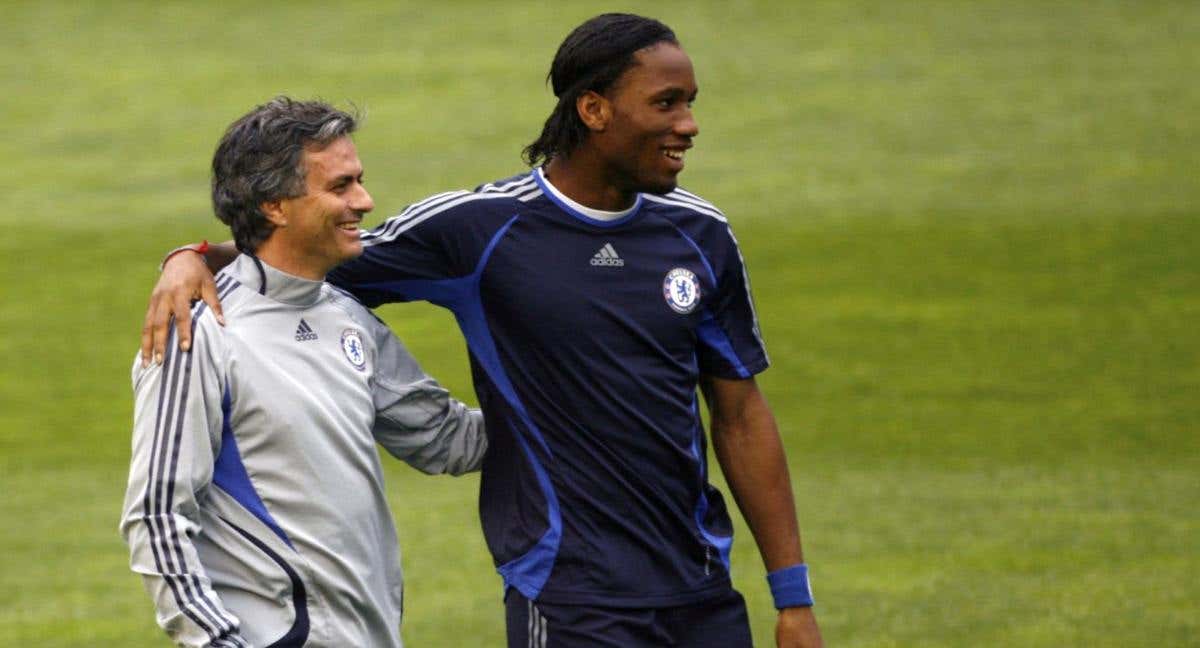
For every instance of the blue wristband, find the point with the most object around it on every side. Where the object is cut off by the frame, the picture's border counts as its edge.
(790, 587)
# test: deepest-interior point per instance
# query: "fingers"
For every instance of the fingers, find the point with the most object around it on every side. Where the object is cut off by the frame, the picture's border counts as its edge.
(185, 278)
(208, 292)
(160, 321)
(148, 335)
(182, 309)
(154, 328)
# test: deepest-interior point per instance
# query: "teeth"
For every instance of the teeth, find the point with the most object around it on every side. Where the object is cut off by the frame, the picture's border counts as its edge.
(675, 155)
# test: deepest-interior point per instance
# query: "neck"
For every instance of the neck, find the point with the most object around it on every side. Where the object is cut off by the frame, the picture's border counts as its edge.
(280, 256)
(582, 178)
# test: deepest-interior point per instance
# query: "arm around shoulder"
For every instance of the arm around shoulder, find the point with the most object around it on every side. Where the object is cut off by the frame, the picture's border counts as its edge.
(186, 277)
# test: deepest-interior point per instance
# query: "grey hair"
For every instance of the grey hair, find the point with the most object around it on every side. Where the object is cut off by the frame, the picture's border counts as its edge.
(261, 159)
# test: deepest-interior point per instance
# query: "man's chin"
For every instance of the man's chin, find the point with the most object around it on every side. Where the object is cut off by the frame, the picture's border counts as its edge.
(659, 188)
(351, 252)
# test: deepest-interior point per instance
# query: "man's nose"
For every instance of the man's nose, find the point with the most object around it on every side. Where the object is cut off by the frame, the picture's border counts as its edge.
(360, 199)
(687, 124)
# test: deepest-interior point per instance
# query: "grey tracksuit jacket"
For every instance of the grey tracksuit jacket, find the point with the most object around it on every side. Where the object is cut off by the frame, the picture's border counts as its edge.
(255, 509)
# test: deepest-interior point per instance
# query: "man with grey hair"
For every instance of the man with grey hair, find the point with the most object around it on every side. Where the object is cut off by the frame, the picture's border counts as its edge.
(255, 511)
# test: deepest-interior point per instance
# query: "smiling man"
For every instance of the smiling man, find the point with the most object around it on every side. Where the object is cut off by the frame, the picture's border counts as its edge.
(256, 511)
(596, 298)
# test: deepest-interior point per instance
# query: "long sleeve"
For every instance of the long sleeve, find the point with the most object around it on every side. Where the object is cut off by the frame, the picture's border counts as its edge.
(416, 420)
(176, 434)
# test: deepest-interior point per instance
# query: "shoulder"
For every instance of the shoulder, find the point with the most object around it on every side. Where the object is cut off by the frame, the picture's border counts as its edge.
(208, 347)
(345, 303)
(237, 303)
(349, 306)
(696, 217)
(231, 292)
(457, 208)
(693, 215)
(517, 185)
(680, 204)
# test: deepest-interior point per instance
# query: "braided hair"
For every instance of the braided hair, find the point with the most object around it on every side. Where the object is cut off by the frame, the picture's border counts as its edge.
(591, 58)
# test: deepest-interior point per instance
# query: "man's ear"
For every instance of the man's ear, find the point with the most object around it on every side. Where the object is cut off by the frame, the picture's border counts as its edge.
(595, 110)
(274, 212)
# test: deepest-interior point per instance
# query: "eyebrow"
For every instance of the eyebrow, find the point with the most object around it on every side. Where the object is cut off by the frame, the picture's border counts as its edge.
(675, 91)
(344, 178)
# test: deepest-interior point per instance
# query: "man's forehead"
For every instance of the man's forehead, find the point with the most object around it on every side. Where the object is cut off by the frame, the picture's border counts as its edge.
(659, 67)
(333, 156)
(332, 147)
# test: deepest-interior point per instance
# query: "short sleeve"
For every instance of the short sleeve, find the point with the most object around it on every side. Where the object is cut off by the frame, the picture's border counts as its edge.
(730, 342)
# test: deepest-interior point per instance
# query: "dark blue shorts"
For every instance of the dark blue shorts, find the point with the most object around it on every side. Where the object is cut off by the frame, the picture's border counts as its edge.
(716, 622)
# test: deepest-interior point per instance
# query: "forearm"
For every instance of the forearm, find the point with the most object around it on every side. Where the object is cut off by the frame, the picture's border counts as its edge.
(429, 430)
(750, 451)
(220, 255)
(416, 419)
(214, 256)
(751, 455)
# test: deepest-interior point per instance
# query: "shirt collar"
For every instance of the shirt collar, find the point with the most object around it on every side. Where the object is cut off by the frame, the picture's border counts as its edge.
(582, 212)
(275, 283)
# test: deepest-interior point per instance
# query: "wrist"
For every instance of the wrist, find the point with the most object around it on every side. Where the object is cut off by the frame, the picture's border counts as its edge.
(790, 587)
(199, 248)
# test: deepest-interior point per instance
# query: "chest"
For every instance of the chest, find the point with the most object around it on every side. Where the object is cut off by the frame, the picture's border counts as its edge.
(306, 372)
(648, 283)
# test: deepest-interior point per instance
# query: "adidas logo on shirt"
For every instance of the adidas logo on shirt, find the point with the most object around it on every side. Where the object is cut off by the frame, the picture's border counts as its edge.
(304, 332)
(607, 256)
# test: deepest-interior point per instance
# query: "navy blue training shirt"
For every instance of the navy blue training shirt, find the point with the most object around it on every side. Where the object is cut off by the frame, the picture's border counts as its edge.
(586, 339)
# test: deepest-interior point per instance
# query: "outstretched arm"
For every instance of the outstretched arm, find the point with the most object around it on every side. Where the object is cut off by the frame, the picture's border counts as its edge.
(186, 277)
(748, 447)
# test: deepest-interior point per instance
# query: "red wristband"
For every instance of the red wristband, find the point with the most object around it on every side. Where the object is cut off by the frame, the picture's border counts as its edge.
(202, 249)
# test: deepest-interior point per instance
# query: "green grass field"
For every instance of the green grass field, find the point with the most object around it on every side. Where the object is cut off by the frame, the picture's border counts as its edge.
(972, 227)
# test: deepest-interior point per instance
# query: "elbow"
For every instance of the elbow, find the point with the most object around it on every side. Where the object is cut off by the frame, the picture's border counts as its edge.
(470, 456)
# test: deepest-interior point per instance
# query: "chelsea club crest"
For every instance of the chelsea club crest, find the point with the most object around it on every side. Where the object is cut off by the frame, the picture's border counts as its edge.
(352, 346)
(681, 290)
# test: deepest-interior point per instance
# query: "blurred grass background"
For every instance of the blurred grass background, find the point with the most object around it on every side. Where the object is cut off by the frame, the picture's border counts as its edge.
(972, 229)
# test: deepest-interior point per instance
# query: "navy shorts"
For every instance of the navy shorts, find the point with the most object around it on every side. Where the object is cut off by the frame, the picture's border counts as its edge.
(715, 622)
